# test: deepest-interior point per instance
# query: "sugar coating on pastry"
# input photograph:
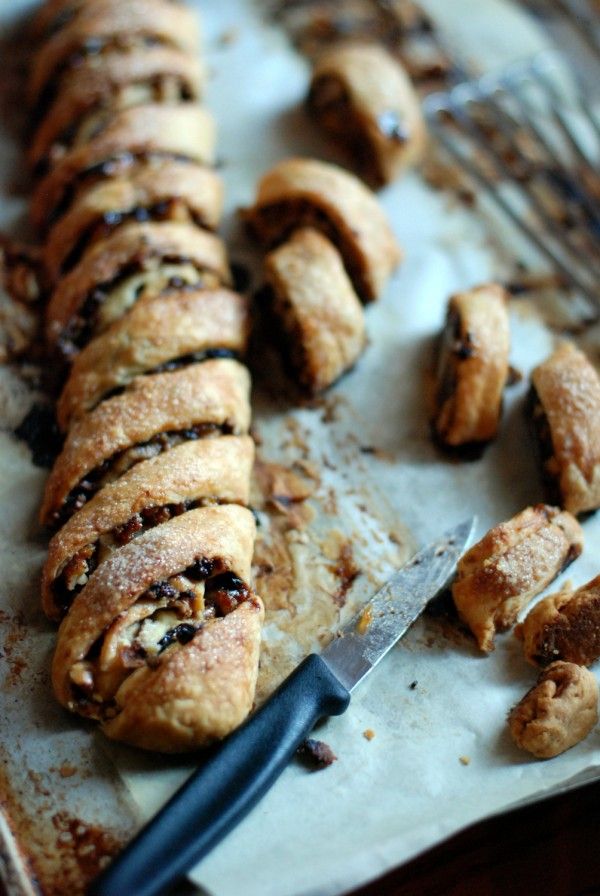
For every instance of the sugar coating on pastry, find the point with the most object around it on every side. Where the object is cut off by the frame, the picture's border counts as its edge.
(564, 626)
(515, 561)
(472, 366)
(566, 416)
(363, 98)
(317, 307)
(558, 712)
(307, 192)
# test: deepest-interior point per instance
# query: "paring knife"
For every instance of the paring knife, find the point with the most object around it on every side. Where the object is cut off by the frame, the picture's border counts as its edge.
(234, 778)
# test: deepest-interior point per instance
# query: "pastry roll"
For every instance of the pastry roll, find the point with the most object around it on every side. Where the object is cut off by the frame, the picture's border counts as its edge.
(564, 626)
(472, 367)
(152, 415)
(565, 409)
(133, 135)
(162, 643)
(170, 190)
(205, 471)
(557, 713)
(135, 260)
(162, 333)
(516, 560)
(105, 85)
(307, 192)
(319, 311)
(365, 100)
(104, 26)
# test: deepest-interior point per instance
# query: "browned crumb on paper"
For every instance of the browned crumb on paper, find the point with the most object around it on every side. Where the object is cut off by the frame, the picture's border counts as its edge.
(316, 754)
(368, 734)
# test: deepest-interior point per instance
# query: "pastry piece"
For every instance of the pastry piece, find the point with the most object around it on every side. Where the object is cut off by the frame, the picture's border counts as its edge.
(152, 415)
(516, 560)
(162, 643)
(162, 333)
(320, 314)
(170, 190)
(131, 136)
(365, 100)
(565, 408)
(307, 192)
(107, 25)
(557, 713)
(104, 85)
(472, 367)
(135, 260)
(190, 475)
(564, 626)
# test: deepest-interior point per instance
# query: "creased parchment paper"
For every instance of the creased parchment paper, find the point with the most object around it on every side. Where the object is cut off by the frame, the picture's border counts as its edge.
(440, 756)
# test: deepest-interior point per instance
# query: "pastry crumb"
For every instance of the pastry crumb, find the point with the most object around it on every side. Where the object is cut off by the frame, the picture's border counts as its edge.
(67, 771)
(316, 754)
(464, 760)
(368, 734)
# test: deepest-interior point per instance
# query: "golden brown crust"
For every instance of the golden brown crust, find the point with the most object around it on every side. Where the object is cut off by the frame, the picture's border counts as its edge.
(557, 713)
(110, 83)
(306, 192)
(186, 131)
(365, 100)
(170, 190)
(107, 22)
(516, 560)
(153, 333)
(473, 366)
(204, 469)
(564, 626)
(567, 414)
(213, 392)
(317, 306)
(133, 245)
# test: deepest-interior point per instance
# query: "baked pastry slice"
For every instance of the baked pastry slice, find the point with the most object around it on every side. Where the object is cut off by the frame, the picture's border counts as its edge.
(564, 626)
(364, 99)
(153, 74)
(135, 135)
(557, 713)
(472, 367)
(179, 327)
(162, 643)
(193, 474)
(319, 312)
(169, 190)
(565, 410)
(515, 561)
(136, 260)
(307, 192)
(154, 414)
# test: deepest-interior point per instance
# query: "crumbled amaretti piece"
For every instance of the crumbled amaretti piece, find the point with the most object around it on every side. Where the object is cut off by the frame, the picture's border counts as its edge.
(557, 713)
(515, 561)
(564, 626)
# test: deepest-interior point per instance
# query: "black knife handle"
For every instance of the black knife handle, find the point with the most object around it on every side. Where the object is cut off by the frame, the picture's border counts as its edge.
(234, 778)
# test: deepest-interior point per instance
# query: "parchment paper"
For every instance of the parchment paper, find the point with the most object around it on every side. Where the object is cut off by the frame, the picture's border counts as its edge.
(441, 756)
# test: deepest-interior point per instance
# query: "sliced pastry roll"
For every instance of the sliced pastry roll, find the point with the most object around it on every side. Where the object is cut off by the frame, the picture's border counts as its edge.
(193, 474)
(307, 192)
(154, 414)
(365, 100)
(472, 367)
(136, 260)
(104, 26)
(564, 626)
(139, 134)
(165, 332)
(162, 642)
(565, 409)
(169, 190)
(103, 86)
(515, 561)
(319, 311)
(557, 713)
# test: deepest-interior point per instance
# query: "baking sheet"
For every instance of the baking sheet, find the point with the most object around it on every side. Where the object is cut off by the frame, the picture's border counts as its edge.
(441, 756)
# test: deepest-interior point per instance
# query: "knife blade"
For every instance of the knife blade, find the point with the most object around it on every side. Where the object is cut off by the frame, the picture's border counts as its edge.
(236, 775)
